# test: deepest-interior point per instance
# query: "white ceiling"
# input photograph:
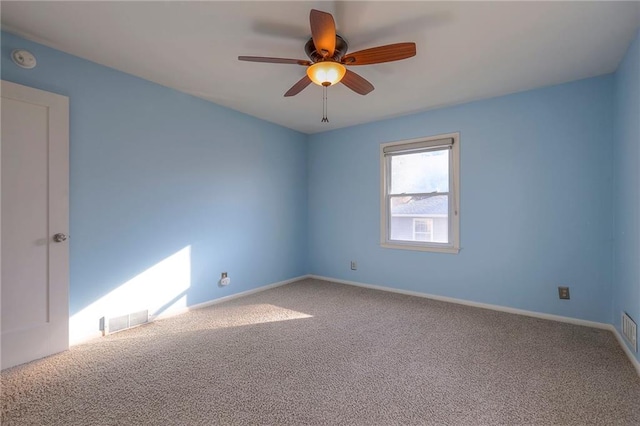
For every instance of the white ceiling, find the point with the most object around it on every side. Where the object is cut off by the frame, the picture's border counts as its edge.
(466, 50)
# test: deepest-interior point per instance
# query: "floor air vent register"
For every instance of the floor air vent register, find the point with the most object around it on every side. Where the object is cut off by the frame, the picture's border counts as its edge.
(629, 331)
(123, 322)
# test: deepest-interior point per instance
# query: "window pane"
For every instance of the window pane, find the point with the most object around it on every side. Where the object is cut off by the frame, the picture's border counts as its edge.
(423, 218)
(420, 172)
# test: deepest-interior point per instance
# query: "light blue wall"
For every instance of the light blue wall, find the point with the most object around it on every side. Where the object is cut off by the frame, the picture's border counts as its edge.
(153, 170)
(626, 180)
(536, 178)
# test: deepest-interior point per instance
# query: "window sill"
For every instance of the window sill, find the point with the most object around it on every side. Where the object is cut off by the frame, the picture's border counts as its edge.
(451, 250)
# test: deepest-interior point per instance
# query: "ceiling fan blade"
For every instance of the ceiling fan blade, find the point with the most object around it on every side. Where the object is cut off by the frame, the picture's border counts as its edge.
(298, 87)
(274, 60)
(323, 32)
(356, 83)
(377, 55)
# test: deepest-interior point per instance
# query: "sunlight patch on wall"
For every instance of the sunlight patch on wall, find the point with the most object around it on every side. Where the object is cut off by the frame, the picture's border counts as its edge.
(161, 289)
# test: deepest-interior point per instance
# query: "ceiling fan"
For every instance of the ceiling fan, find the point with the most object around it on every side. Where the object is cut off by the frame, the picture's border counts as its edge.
(328, 56)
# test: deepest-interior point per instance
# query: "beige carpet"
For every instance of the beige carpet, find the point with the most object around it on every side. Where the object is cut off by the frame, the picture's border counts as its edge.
(314, 352)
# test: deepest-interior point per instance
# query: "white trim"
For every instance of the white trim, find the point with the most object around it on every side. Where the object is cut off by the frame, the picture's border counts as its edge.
(499, 308)
(419, 215)
(413, 246)
(200, 306)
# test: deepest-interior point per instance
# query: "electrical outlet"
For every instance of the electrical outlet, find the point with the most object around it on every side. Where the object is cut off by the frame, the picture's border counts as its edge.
(354, 265)
(563, 292)
(225, 280)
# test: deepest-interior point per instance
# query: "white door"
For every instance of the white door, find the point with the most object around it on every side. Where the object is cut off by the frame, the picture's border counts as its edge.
(34, 208)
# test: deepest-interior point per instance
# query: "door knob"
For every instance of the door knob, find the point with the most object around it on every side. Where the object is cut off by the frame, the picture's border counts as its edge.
(59, 237)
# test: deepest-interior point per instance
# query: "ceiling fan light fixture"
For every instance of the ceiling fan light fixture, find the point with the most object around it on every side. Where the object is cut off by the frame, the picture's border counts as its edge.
(326, 73)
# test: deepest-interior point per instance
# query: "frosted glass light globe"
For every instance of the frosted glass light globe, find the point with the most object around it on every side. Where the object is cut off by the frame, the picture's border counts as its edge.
(326, 73)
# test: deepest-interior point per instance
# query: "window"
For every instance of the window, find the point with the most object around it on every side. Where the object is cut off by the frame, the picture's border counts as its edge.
(419, 196)
(422, 229)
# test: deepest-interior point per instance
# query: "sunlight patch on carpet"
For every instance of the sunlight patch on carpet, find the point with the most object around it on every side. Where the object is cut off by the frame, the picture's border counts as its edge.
(238, 316)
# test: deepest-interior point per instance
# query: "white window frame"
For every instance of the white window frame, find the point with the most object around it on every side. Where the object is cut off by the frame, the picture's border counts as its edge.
(453, 246)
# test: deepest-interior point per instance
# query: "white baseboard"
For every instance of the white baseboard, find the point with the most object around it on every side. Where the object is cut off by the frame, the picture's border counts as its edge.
(559, 318)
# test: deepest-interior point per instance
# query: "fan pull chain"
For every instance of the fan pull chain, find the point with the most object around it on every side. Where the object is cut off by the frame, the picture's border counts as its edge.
(324, 103)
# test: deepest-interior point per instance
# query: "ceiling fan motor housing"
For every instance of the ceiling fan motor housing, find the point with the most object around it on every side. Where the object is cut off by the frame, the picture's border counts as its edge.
(315, 56)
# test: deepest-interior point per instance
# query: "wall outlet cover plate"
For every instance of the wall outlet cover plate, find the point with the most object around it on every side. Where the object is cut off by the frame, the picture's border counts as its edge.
(563, 293)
